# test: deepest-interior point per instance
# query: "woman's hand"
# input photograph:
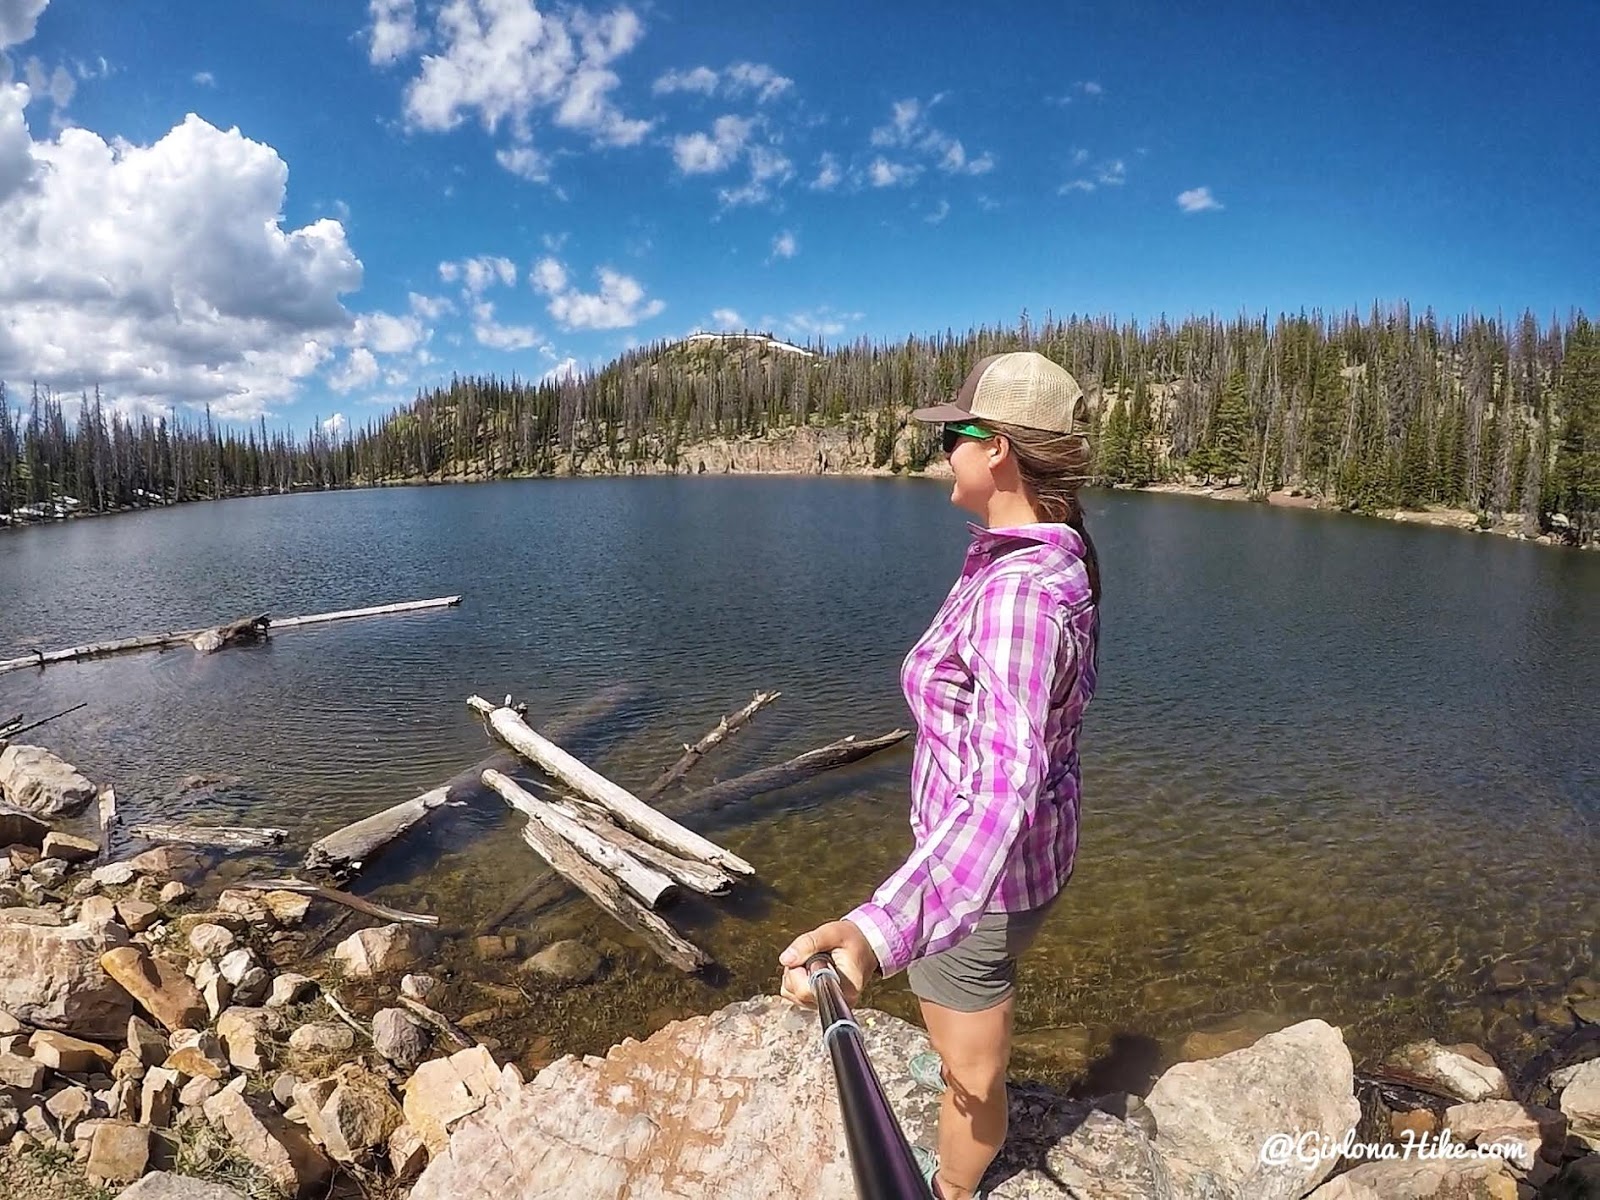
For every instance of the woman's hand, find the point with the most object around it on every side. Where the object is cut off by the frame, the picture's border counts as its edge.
(852, 954)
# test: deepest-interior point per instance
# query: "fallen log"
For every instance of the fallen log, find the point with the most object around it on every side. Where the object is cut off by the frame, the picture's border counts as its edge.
(380, 610)
(246, 629)
(107, 805)
(229, 837)
(345, 851)
(204, 638)
(628, 810)
(439, 1021)
(371, 908)
(611, 896)
(693, 754)
(648, 884)
(700, 877)
(771, 779)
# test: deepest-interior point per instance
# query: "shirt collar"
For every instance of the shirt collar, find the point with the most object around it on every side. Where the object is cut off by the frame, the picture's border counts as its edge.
(1046, 533)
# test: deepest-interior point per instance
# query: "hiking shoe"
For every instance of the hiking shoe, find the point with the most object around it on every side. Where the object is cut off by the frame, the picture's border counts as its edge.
(927, 1069)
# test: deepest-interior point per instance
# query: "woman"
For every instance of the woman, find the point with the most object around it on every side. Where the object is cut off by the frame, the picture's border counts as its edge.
(998, 685)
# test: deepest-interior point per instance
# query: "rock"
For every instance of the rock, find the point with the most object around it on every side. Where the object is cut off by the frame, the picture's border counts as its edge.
(50, 976)
(68, 848)
(492, 946)
(163, 1185)
(1465, 1072)
(1587, 1011)
(98, 912)
(113, 874)
(206, 1060)
(1213, 1117)
(399, 1037)
(31, 916)
(216, 991)
(447, 1089)
(137, 915)
(130, 1066)
(122, 1101)
(569, 961)
(1415, 1125)
(241, 1032)
(290, 988)
(18, 828)
(69, 1106)
(1224, 1037)
(235, 964)
(174, 890)
(245, 904)
(120, 1151)
(323, 1037)
(418, 987)
(197, 1091)
(1533, 1129)
(287, 908)
(283, 1089)
(1423, 1179)
(158, 987)
(1580, 1096)
(383, 949)
(70, 1055)
(211, 941)
(281, 1150)
(156, 1098)
(408, 1153)
(252, 987)
(351, 1114)
(9, 1024)
(48, 872)
(38, 782)
(167, 860)
(40, 1124)
(143, 1040)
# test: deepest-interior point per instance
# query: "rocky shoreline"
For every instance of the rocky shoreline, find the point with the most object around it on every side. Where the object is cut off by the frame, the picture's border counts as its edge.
(162, 1039)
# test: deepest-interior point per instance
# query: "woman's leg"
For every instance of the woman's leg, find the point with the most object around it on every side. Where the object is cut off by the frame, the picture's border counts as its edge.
(975, 1047)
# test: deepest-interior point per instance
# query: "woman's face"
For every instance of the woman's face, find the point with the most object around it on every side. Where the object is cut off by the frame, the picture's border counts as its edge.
(969, 461)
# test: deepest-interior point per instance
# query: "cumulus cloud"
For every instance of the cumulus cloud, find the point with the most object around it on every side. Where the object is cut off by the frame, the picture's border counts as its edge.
(828, 174)
(162, 271)
(389, 334)
(567, 368)
(394, 33)
(358, 371)
(506, 63)
(524, 162)
(1197, 200)
(883, 173)
(728, 318)
(1090, 88)
(18, 19)
(785, 245)
(477, 275)
(938, 214)
(708, 153)
(335, 425)
(908, 130)
(739, 79)
(769, 169)
(429, 308)
(701, 80)
(1111, 173)
(205, 79)
(619, 304)
(822, 321)
(496, 336)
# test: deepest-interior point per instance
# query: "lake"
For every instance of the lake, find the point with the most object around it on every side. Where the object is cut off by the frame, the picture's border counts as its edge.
(1337, 767)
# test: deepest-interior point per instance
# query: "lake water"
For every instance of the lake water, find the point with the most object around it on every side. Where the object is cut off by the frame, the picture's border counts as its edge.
(1337, 767)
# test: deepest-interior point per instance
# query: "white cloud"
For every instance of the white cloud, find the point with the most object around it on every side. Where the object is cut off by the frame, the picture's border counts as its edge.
(828, 174)
(706, 154)
(161, 271)
(525, 162)
(389, 334)
(955, 161)
(938, 214)
(205, 79)
(701, 79)
(904, 118)
(1090, 88)
(18, 19)
(820, 322)
(727, 318)
(477, 275)
(394, 31)
(768, 169)
(429, 308)
(1198, 200)
(883, 173)
(335, 425)
(740, 79)
(496, 336)
(58, 86)
(506, 63)
(785, 245)
(619, 304)
(1113, 173)
(567, 368)
(358, 372)
(1080, 156)
(1076, 185)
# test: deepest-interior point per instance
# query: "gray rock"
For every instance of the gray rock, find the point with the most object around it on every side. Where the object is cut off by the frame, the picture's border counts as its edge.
(164, 1185)
(48, 872)
(113, 875)
(235, 964)
(383, 949)
(51, 976)
(352, 1114)
(37, 781)
(70, 849)
(281, 1150)
(418, 987)
(147, 1042)
(399, 1037)
(569, 961)
(283, 1089)
(211, 941)
(1464, 1072)
(290, 988)
(322, 1036)
(1423, 1179)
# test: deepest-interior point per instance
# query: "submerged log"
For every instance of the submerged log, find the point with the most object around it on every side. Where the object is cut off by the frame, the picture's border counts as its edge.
(701, 877)
(379, 610)
(371, 908)
(345, 851)
(771, 779)
(648, 884)
(246, 629)
(17, 728)
(611, 896)
(693, 754)
(229, 837)
(628, 810)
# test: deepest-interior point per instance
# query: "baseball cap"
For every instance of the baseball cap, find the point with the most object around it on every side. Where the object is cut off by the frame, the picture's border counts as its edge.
(1021, 388)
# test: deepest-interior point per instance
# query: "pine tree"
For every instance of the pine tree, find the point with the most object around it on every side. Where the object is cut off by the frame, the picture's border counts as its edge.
(1230, 430)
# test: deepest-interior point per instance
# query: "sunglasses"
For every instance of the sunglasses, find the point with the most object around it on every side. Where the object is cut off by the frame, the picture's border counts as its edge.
(955, 431)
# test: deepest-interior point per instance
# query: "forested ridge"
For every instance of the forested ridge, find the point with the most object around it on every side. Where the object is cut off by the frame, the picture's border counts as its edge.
(1389, 410)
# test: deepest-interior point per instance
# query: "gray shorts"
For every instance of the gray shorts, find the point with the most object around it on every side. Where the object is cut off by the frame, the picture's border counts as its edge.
(979, 971)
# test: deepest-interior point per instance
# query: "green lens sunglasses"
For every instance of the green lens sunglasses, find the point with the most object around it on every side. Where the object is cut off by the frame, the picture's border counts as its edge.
(953, 431)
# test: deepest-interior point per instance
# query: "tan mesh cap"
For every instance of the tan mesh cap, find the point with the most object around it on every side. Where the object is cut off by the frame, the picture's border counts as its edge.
(1022, 388)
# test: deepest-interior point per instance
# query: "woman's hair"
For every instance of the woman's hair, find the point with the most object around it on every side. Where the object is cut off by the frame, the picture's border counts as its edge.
(1053, 467)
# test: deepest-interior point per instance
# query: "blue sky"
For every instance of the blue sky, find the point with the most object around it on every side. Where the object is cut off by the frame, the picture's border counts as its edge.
(300, 209)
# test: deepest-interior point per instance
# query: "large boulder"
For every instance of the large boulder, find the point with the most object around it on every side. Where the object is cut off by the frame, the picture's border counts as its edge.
(741, 1105)
(36, 781)
(1464, 1072)
(1486, 1178)
(50, 976)
(161, 989)
(164, 1185)
(283, 1151)
(383, 949)
(1213, 1118)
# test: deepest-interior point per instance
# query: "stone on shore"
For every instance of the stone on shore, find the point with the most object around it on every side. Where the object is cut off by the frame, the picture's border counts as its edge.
(1423, 1179)
(568, 961)
(164, 1185)
(158, 986)
(70, 1055)
(146, 1043)
(242, 1033)
(120, 1151)
(1465, 1072)
(352, 1113)
(1580, 1097)
(51, 977)
(290, 988)
(37, 781)
(68, 848)
(18, 828)
(1533, 1131)
(445, 1090)
(399, 1037)
(211, 941)
(283, 1151)
(323, 1037)
(383, 949)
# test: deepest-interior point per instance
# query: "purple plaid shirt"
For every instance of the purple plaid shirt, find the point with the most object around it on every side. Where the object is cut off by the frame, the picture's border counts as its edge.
(997, 685)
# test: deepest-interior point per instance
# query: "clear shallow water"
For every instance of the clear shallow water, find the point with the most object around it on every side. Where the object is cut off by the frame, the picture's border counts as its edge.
(1337, 767)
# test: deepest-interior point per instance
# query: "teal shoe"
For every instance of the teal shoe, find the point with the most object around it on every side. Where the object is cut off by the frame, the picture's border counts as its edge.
(929, 1162)
(927, 1069)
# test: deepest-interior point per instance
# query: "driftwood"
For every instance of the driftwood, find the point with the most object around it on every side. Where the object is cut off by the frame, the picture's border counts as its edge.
(15, 728)
(648, 884)
(345, 851)
(343, 1013)
(693, 754)
(372, 909)
(211, 637)
(770, 779)
(701, 877)
(439, 1021)
(229, 837)
(611, 896)
(628, 810)
(108, 819)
